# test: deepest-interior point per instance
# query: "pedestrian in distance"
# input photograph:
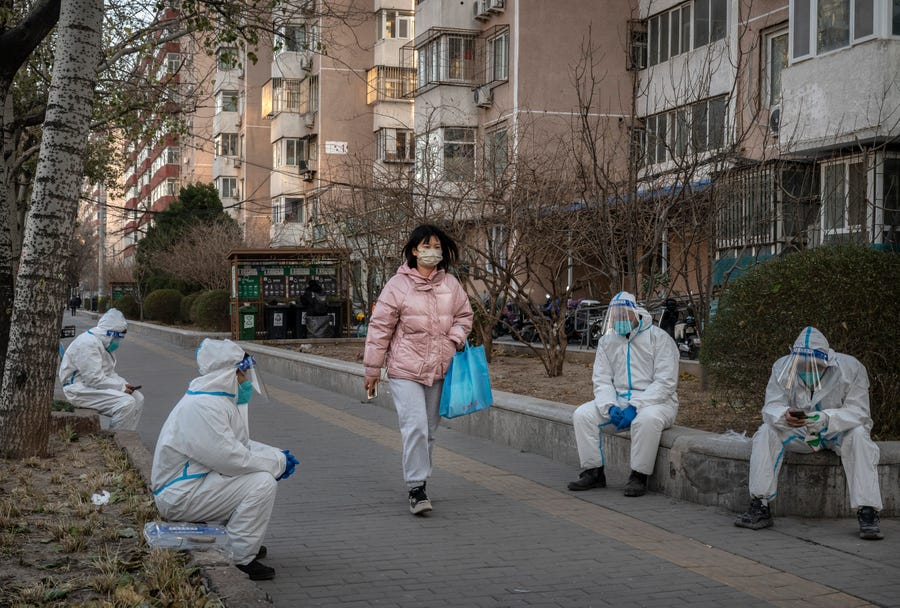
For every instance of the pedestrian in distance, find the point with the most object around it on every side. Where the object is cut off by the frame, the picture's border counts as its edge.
(669, 317)
(816, 399)
(422, 317)
(88, 374)
(205, 466)
(74, 303)
(635, 380)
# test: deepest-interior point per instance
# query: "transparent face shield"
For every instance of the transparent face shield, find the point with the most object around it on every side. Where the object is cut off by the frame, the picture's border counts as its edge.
(804, 368)
(621, 317)
(247, 365)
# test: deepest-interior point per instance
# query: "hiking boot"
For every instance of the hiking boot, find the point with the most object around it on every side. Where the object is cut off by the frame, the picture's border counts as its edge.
(262, 552)
(869, 524)
(257, 571)
(756, 517)
(589, 479)
(418, 501)
(637, 484)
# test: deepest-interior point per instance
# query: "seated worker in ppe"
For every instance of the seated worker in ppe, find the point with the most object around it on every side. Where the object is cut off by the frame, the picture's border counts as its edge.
(635, 378)
(207, 469)
(816, 399)
(88, 374)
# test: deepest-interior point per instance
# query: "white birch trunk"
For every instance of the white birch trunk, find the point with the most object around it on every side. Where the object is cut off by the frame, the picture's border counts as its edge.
(39, 300)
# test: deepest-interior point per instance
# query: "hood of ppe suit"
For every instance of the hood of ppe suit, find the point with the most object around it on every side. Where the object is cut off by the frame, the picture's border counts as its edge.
(112, 320)
(812, 338)
(216, 360)
(624, 299)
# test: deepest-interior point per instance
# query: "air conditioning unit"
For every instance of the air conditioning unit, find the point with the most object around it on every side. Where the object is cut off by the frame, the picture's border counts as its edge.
(237, 163)
(302, 166)
(775, 118)
(309, 119)
(484, 98)
(306, 62)
(494, 6)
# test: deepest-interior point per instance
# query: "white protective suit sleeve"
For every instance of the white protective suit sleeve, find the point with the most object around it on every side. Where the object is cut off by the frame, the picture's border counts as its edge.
(214, 445)
(604, 390)
(665, 372)
(856, 410)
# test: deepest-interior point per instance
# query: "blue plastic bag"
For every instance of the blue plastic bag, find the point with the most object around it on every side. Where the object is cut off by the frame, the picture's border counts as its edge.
(467, 385)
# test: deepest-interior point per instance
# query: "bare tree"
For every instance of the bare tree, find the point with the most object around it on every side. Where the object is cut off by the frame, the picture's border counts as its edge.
(199, 257)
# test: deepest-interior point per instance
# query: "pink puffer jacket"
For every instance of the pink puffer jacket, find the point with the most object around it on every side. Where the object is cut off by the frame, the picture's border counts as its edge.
(416, 326)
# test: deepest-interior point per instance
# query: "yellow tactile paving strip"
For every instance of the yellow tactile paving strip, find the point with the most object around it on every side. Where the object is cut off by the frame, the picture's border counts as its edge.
(769, 584)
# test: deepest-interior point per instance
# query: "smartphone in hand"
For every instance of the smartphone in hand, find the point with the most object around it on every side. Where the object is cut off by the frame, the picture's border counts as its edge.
(797, 414)
(372, 393)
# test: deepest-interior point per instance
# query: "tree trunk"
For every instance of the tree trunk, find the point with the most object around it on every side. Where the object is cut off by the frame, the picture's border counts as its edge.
(40, 295)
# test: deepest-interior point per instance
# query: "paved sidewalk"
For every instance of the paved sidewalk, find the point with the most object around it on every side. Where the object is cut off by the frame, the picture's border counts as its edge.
(504, 531)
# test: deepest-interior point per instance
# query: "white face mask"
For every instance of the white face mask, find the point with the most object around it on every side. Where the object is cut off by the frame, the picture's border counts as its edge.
(429, 257)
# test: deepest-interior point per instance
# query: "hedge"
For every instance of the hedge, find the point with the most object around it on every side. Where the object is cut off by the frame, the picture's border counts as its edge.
(211, 310)
(163, 305)
(186, 303)
(128, 306)
(848, 292)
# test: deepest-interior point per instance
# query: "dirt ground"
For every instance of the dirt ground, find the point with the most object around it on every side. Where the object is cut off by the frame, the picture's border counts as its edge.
(525, 375)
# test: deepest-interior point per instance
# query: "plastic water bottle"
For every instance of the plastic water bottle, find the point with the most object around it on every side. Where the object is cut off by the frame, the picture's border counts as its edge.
(183, 535)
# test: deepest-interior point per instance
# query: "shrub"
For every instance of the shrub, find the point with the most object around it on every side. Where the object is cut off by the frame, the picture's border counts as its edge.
(128, 306)
(848, 292)
(163, 305)
(211, 310)
(186, 303)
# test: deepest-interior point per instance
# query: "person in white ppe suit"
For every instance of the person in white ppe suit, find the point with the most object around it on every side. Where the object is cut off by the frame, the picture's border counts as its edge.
(205, 466)
(635, 380)
(88, 374)
(816, 399)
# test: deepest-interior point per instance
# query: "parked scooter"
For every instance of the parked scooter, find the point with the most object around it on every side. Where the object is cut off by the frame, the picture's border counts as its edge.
(687, 336)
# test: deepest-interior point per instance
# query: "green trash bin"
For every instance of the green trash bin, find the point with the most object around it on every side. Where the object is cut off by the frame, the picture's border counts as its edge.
(247, 317)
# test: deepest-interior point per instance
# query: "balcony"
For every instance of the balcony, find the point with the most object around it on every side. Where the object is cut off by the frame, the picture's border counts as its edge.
(284, 95)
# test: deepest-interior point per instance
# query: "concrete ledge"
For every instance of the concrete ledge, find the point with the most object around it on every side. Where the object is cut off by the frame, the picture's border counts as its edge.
(692, 465)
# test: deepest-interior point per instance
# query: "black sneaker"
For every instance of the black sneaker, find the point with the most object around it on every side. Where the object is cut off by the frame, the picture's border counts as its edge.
(637, 484)
(262, 552)
(869, 524)
(589, 479)
(418, 501)
(756, 517)
(257, 571)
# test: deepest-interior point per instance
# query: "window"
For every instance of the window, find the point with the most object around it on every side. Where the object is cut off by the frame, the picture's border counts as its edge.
(496, 153)
(286, 210)
(637, 144)
(226, 58)
(173, 62)
(697, 128)
(895, 21)
(291, 39)
(227, 187)
(388, 82)
(227, 101)
(498, 57)
(277, 210)
(834, 23)
(447, 58)
(226, 144)
(710, 21)
(844, 191)
(395, 145)
(669, 34)
(173, 155)
(287, 151)
(637, 51)
(393, 25)
(459, 154)
(776, 62)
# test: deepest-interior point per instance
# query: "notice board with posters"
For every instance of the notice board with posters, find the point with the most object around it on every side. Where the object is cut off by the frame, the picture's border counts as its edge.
(274, 279)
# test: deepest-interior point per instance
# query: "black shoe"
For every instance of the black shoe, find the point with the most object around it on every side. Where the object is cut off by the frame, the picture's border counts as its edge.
(257, 571)
(637, 484)
(869, 524)
(589, 479)
(756, 517)
(262, 552)
(418, 501)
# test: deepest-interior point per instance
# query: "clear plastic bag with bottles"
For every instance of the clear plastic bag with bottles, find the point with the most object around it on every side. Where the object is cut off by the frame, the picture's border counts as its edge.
(192, 536)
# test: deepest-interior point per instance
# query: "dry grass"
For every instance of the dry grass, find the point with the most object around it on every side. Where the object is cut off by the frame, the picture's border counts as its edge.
(59, 549)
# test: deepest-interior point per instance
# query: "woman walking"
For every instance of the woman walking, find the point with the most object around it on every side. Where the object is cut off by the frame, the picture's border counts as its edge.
(421, 318)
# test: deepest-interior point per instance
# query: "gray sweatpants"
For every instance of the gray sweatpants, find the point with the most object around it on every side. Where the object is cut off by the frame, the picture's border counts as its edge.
(418, 413)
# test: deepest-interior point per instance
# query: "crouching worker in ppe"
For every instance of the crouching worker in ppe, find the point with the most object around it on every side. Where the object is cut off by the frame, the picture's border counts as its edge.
(88, 374)
(816, 399)
(207, 469)
(635, 378)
